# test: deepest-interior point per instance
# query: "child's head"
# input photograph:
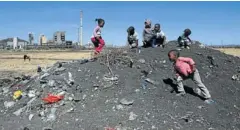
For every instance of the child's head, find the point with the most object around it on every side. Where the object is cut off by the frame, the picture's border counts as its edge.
(147, 23)
(187, 32)
(157, 27)
(100, 21)
(173, 55)
(131, 30)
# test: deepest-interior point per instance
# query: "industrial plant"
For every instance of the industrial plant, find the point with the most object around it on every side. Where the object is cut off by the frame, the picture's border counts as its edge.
(57, 41)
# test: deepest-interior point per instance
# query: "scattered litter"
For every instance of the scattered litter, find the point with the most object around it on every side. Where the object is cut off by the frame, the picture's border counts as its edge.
(187, 118)
(44, 76)
(51, 83)
(31, 94)
(151, 81)
(143, 83)
(200, 107)
(198, 53)
(236, 77)
(17, 94)
(114, 78)
(53, 98)
(109, 128)
(84, 96)
(163, 62)
(9, 104)
(126, 102)
(142, 61)
(235, 106)
(58, 71)
(52, 115)
(71, 80)
(119, 107)
(5, 90)
(132, 116)
(30, 116)
(19, 111)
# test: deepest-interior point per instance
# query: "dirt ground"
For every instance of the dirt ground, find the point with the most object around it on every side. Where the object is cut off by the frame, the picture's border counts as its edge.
(124, 100)
(13, 61)
(231, 51)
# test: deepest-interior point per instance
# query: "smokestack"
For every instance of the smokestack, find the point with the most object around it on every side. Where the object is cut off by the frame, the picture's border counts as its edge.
(81, 27)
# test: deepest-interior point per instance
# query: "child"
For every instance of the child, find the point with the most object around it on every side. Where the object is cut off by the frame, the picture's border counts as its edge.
(96, 37)
(147, 34)
(185, 68)
(160, 36)
(184, 40)
(132, 38)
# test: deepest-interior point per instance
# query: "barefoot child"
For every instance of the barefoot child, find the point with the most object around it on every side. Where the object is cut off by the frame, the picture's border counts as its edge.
(132, 38)
(184, 40)
(185, 68)
(97, 38)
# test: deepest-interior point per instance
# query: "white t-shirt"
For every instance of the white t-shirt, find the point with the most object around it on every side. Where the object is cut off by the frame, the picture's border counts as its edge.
(134, 37)
(160, 34)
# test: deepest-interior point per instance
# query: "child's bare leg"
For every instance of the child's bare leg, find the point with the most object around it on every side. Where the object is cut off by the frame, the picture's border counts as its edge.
(197, 80)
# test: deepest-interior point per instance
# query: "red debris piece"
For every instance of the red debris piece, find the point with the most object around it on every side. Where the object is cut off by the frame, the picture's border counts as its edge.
(53, 98)
(109, 128)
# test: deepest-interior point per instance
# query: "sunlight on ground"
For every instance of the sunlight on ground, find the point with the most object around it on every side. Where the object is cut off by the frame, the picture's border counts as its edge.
(43, 59)
(231, 51)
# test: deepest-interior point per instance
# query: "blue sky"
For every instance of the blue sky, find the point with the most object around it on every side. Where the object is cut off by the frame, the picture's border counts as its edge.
(210, 22)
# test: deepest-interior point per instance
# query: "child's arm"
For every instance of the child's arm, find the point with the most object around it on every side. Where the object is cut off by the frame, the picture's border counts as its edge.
(189, 61)
(189, 39)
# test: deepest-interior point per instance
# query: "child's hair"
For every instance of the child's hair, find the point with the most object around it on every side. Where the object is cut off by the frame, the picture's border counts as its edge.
(157, 25)
(187, 31)
(130, 29)
(99, 20)
(175, 52)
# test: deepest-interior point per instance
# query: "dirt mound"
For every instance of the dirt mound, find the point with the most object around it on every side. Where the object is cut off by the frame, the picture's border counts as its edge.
(127, 90)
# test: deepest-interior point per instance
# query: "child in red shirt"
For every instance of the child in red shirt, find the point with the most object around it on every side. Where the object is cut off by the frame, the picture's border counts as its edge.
(185, 68)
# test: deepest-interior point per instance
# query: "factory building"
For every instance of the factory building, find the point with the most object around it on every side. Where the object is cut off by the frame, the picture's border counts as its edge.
(59, 38)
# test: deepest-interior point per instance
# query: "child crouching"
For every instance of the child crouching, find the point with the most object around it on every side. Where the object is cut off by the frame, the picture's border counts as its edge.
(185, 68)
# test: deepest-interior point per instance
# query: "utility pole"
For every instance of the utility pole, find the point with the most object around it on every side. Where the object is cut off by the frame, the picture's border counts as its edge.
(81, 27)
(78, 36)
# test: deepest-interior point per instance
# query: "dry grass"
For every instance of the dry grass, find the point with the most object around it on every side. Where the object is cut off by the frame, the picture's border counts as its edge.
(231, 51)
(14, 61)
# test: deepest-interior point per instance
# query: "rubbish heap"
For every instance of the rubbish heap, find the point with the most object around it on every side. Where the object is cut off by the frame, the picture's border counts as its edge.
(124, 90)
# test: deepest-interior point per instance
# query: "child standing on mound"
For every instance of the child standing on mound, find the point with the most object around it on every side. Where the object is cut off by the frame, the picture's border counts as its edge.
(97, 38)
(185, 68)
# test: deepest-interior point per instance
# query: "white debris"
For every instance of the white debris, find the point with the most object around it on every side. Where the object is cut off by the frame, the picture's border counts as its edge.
(30, 116)
(126, 102)
(31, 94)
(5, 90)
(19, 111)
(132, 116)
(9, 104)
(51, 83)
(119, 107)
(84, 96)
